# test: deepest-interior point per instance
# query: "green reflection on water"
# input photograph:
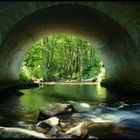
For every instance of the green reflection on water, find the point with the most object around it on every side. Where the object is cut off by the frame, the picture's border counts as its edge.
(101, 92)
(35, 98)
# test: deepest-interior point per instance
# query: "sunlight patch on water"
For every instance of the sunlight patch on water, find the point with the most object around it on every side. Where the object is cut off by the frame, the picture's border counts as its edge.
(85, 105)
(80, 106)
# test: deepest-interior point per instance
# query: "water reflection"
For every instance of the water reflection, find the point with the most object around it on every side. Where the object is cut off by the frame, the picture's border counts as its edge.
(101, 92)
(59, 93)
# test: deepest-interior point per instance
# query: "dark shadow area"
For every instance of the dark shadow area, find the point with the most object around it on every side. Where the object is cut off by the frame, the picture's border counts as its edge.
(122, 88)
(8, 91)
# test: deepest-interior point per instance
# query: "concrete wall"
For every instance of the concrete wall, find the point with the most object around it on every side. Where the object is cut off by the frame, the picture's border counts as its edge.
(109, 26)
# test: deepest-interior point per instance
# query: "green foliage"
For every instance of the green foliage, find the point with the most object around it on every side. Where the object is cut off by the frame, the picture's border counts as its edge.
(60, 57)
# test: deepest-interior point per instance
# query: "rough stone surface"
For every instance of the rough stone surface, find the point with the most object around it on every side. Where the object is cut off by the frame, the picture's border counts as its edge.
(51, 125)
(55, 109)
(51, 121)
(7, 132)
(81, 130)
(77, 115)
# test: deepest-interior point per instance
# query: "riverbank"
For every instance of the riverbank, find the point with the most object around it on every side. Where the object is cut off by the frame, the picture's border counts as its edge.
(70, 83)
(9, 89)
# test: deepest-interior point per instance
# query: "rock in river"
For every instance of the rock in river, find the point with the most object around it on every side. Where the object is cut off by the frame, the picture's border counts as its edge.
(51, 125)
(51, 122)
(14, 132)
(55, 109)
(77, 115)
(81, 130)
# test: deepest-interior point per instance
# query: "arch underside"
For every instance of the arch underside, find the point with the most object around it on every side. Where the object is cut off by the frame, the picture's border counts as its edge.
(117, 49)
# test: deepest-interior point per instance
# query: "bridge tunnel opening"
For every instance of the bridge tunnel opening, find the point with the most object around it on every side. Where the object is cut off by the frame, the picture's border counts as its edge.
(62, 58)
(97, 28)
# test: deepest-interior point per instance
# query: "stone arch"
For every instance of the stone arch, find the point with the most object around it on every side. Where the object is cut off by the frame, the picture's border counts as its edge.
(104, 33)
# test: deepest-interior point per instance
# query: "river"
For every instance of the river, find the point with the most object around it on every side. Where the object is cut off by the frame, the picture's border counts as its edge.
(117, 115)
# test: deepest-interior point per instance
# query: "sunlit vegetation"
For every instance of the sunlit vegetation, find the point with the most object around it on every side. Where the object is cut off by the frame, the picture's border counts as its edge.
(61, 57)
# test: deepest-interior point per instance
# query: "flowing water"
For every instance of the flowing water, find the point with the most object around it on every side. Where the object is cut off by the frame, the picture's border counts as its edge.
(115, 115)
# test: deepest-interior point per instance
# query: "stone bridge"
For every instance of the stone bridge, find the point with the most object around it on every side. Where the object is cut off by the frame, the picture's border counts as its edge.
(113, 28)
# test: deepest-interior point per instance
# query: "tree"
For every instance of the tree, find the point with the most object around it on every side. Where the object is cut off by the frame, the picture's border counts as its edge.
(61, 57)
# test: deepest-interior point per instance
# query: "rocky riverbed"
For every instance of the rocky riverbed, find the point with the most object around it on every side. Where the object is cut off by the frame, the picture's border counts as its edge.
(51, 124)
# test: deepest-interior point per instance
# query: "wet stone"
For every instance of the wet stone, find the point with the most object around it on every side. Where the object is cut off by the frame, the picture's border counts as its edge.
(54, 110)
(77, 115)
(13, 132)
(81, 130)
(50, 126)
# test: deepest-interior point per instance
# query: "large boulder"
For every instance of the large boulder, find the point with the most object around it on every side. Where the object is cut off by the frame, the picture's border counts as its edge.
(14, 132)
(54, 110)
